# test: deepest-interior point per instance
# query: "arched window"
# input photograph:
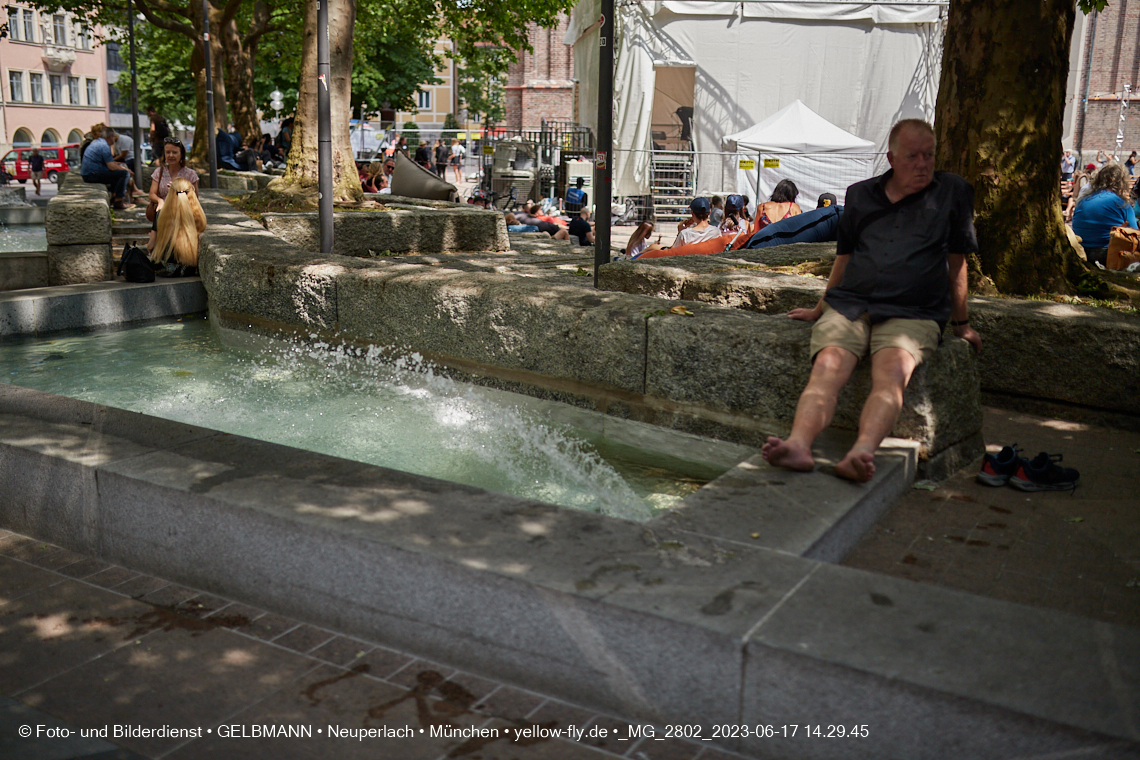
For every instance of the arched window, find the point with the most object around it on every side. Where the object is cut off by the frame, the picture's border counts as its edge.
(22, 138)
(49, 137)
(75, 136)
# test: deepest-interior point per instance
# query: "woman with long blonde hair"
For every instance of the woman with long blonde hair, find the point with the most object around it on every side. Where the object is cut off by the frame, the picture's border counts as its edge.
(179, 225)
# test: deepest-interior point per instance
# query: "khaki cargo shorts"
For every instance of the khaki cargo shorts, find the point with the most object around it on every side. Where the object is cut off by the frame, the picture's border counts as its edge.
(920, 337)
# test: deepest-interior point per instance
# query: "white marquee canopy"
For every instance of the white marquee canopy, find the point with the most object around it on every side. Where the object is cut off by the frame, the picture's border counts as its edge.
(860, 65)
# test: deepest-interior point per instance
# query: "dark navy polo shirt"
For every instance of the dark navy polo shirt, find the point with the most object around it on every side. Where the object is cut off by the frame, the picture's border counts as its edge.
(898, 264)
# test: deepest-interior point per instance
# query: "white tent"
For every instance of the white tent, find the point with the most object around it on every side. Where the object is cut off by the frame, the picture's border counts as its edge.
(861, 65)
(798, 144)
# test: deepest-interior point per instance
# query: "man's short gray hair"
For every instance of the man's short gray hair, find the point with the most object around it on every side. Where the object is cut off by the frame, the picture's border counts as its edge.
(919, 124)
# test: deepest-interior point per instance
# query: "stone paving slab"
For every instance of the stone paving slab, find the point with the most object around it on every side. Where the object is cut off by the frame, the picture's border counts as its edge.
(181, 671)
(1074, 552)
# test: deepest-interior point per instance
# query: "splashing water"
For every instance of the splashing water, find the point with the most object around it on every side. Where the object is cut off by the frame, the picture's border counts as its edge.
(358, 404)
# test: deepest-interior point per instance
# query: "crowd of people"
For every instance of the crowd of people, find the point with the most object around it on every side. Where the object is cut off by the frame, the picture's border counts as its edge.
(1098, 197)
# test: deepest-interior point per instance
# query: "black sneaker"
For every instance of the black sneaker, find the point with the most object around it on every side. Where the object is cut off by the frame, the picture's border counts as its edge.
(1044, 474)
(998, 468)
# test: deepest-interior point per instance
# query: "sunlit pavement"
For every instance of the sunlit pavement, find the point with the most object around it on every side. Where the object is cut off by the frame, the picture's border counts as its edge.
(87, 646)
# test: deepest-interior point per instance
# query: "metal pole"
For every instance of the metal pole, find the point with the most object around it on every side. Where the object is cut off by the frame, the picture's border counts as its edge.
(324, 130)
(134, 95)
(603, 164)
(211, 129)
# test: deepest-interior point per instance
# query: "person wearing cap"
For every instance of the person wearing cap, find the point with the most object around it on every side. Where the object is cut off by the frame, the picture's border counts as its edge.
(700, 229)
(899, 276)
(732, 207)
(827, 199)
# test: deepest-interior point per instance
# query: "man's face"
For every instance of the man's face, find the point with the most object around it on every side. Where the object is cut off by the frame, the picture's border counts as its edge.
(912, 158)
(389, 168)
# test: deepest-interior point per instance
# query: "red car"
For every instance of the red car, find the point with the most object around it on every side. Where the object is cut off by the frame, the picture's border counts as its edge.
(57, 158)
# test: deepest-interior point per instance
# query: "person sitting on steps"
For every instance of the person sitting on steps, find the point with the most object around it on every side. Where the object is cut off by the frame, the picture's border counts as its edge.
(899, 276)
(181, 223)
(100, 167)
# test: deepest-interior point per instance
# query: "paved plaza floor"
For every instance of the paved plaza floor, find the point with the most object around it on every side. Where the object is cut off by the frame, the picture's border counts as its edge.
(85, 645)
(1077, 552)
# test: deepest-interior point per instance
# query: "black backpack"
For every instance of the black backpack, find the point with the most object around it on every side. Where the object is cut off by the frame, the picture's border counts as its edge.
(135, 265)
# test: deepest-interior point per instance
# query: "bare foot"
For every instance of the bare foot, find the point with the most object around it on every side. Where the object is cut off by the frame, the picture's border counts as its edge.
(780, 453)
(857, 465)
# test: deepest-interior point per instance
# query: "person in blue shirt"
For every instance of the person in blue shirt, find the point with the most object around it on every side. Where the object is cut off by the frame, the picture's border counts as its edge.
(1106, 206)
(99, 167)
(576, 197)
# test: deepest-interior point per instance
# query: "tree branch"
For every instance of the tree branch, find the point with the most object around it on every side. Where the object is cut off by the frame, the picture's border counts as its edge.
(259, 25)
(164, 23)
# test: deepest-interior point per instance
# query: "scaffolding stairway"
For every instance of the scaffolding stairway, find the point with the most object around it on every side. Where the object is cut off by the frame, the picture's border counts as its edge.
(672, 183)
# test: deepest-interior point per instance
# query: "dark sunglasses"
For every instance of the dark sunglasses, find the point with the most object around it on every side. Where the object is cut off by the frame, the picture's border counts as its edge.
(172, 141)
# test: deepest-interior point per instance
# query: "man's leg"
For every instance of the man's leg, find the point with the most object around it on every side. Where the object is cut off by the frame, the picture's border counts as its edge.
(830, 372)
(891, 369)
(119, 187)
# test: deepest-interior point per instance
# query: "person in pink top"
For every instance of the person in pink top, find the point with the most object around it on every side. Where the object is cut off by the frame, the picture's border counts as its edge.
(172, 166)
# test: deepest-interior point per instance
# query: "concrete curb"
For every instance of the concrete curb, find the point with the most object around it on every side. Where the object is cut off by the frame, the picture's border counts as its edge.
(74, 307)
(647, 621)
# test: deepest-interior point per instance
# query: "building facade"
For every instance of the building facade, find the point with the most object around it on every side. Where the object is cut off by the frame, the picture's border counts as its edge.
(1104, 79)
(540, 84)
(435, 101)
(54, 79)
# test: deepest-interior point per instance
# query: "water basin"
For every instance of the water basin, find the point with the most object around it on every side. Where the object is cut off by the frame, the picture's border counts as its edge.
(22, 237)
(367, 407)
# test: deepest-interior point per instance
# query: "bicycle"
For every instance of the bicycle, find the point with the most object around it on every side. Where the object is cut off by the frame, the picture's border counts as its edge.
(509, 202)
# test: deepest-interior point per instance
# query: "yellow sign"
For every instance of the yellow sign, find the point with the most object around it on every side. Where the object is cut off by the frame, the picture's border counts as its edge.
(746, 164)
(771, 163)
(488, 150)
(460, 135)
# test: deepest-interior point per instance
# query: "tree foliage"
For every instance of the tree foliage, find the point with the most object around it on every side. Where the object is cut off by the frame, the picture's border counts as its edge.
(480, 83)
(161, 60)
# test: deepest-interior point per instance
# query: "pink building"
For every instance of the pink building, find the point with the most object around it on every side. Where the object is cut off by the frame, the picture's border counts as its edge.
(54, 79)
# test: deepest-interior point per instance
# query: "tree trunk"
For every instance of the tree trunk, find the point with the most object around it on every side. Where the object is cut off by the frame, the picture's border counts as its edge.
(998, 124)
(199, 153)
(302, 168)
(239, 83)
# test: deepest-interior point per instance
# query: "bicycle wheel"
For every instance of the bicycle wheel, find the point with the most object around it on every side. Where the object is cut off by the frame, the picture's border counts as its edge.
(502, 201)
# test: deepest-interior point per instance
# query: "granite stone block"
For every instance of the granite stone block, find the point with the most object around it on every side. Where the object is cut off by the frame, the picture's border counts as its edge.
(427, 230)
(73, 264)
(79, 217)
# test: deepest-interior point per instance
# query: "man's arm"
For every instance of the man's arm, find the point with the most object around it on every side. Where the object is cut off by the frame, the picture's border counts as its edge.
(837, 270)
(959, 312)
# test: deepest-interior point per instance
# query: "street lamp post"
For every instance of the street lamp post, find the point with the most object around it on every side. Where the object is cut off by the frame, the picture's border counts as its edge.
(360, 126)
(276, 103)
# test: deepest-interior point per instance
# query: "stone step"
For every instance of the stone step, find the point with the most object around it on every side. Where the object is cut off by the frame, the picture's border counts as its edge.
(23, 269)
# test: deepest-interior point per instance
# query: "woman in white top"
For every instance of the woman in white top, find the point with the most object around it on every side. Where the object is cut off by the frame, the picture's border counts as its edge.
(456, 159)
(171, 167)
(700, 229)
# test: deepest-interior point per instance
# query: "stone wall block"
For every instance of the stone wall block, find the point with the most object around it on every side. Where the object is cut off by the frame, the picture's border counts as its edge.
(74, 264)
(500, 321)
(437, 230)
(1075, 354)
(272, 281)
(80, 216)
(727, 359)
